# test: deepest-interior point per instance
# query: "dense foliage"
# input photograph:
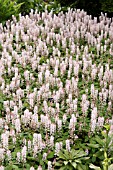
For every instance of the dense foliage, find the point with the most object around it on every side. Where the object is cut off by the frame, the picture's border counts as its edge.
(7, 9)
(93, 7)
(14, 7)
(56, 92)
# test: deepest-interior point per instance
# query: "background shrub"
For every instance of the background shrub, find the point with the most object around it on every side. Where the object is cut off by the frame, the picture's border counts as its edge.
(7, 9)
(14, 7)
(26, 6)
(93, 7)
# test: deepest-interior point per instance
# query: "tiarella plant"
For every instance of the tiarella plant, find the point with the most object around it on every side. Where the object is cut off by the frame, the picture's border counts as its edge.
(73, 159)
(56, 90)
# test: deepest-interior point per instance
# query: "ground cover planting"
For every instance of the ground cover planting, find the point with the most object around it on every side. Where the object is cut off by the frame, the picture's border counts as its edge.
(56, 92)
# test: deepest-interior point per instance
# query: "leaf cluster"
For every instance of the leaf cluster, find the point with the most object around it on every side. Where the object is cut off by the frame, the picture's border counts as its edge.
(7, 9)
(75, 159)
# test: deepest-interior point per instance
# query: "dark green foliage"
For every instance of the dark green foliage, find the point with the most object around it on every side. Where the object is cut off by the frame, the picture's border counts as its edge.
(14, 7)
(107, 6)
(26, 6)
(29, 4)
(7, 9)
(93, 7)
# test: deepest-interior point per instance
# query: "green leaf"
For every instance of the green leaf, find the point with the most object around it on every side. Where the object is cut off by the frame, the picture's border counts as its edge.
(15, 167)
(50, 155)
(80, 154)
(77, 160)
(74, 152)
(58, 164)
(93, 145)
(67, 154)
(30, 0)
(62, 156)
(31, 158)
(104, 134)
(79, 167)
(65, 162)
(98, 154)
(11, 147)
(62, 168)
(93, 159)
(94, 167)
(27, 166)
(41, 162)
(107, 127)
(84, 158)
(74, 164)
(100, 141)
(9, 167)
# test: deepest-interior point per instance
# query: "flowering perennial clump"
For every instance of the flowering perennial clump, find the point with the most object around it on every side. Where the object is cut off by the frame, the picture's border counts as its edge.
(56, 84)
